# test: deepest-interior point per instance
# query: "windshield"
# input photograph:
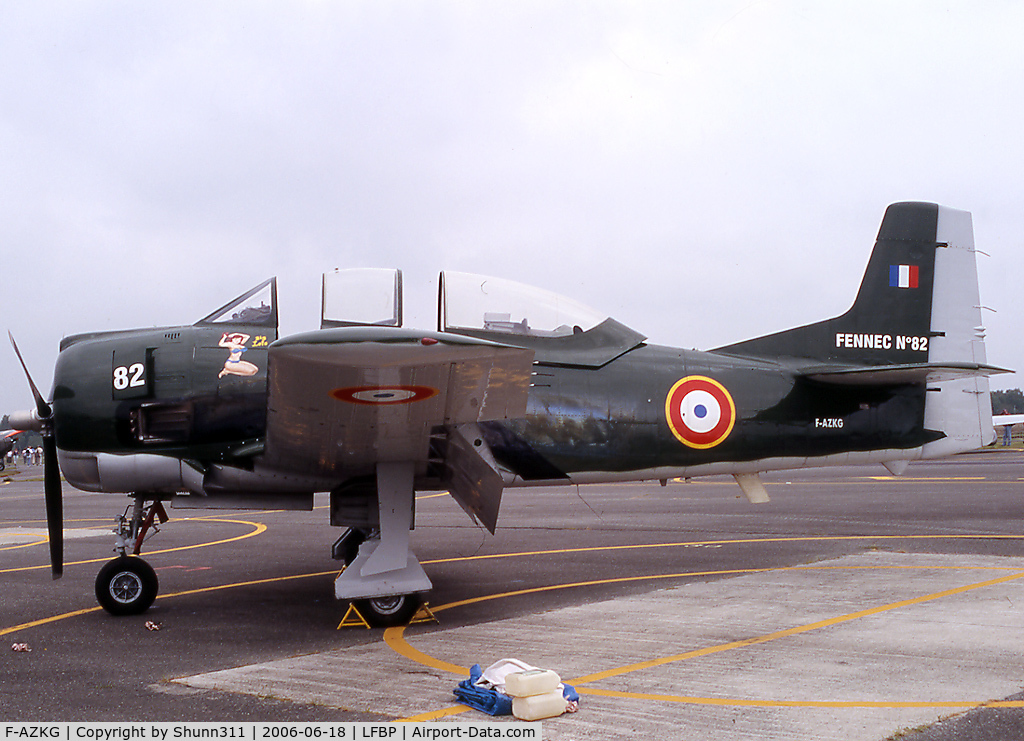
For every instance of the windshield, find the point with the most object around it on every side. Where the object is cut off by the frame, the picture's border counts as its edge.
(499, 305)
(257, 306)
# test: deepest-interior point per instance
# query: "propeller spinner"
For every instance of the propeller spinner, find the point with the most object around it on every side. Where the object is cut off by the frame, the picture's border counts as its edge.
(41, 420)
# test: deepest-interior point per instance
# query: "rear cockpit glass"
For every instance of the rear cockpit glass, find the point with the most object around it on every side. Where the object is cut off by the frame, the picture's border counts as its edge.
(478, 302)
(362, 296)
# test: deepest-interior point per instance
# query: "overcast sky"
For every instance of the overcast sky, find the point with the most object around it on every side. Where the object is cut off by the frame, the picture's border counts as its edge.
(704, 172)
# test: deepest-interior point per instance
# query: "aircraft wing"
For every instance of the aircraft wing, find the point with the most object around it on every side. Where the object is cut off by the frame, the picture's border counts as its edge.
(4, 434)
(343, 400)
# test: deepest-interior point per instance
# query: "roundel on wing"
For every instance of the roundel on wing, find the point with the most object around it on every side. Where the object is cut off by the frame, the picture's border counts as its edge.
(384, 394)
(700, 411)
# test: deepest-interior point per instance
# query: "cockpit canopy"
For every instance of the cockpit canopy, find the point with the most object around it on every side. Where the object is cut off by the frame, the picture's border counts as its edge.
(560, 330)
(478, 302)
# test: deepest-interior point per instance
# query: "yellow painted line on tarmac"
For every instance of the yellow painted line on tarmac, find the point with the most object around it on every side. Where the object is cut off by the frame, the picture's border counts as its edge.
(728, 702)
(395, 639)
(593, 583)
(46, 621)
(250, 583)
(434, 715)
(926, 478)
(258, 528)
(737, 541)
(41, 541)
(597, 676)
(215, 588)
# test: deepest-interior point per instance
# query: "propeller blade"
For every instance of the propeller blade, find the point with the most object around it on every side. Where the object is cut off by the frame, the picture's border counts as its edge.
(53, 496)
(41, 406)
(54, 506)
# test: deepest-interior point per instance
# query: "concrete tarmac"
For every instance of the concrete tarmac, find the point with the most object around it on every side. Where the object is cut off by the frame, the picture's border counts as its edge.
(854, 605)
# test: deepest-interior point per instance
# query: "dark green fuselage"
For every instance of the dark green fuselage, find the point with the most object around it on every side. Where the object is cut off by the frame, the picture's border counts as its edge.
(179, 405)
(597, 405)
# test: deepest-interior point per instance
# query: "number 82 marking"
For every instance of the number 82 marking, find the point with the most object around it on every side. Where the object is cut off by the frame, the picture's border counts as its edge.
(129, 376)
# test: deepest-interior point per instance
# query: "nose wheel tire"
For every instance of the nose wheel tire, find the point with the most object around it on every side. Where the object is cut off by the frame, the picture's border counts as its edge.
(387, 612)
(126, 586)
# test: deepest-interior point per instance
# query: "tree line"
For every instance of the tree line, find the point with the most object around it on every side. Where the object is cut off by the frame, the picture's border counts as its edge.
(1009, 401)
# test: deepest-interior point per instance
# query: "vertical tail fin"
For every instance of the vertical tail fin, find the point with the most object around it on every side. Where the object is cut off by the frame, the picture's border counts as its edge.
(918, 305)
(890, 320)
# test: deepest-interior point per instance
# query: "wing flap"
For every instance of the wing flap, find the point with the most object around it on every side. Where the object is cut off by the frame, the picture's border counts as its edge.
(342, 400)
(472, 475)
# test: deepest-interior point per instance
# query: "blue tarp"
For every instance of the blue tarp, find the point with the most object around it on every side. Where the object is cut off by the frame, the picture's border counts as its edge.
(491, 701)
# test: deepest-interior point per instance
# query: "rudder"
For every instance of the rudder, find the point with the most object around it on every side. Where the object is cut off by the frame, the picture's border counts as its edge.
(962, 409)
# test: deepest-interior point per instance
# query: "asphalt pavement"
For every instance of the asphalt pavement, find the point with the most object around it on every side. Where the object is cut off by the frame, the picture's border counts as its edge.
(854, 605)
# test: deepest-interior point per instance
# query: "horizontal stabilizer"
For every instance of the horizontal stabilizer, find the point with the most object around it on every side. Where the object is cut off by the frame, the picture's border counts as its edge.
(899, 374)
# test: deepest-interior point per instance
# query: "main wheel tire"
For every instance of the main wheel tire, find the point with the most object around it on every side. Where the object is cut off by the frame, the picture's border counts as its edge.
(387, 612)
(126, 586)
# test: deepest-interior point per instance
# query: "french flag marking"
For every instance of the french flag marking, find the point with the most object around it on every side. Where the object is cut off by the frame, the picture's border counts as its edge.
(903, 276)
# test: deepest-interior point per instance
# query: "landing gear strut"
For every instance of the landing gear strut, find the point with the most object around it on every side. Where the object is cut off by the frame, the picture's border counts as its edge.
(128, 585)
(382, 577)
(380, 612)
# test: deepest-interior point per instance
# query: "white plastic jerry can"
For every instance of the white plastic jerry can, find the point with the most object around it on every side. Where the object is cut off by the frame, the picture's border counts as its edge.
(532, 682)
(538, 707)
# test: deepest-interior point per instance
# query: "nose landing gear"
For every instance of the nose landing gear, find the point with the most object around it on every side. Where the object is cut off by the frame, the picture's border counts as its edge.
(128, 585)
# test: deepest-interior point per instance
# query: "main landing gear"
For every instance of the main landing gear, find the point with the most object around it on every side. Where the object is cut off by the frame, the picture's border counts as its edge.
(128, 585)
(380, 612)
(382, 577)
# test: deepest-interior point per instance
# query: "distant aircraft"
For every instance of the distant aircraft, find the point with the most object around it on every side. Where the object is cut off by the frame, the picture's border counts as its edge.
(516, 387)
(1004, 421)
(6, 445)
(1007, 419)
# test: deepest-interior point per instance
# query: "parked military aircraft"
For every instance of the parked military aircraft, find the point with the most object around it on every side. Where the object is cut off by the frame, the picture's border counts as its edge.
(6, 445)
(515, 387)
(1007, 421)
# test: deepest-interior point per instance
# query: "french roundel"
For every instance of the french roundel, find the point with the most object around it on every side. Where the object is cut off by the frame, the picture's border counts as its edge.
(384, 394)
(700, 412)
